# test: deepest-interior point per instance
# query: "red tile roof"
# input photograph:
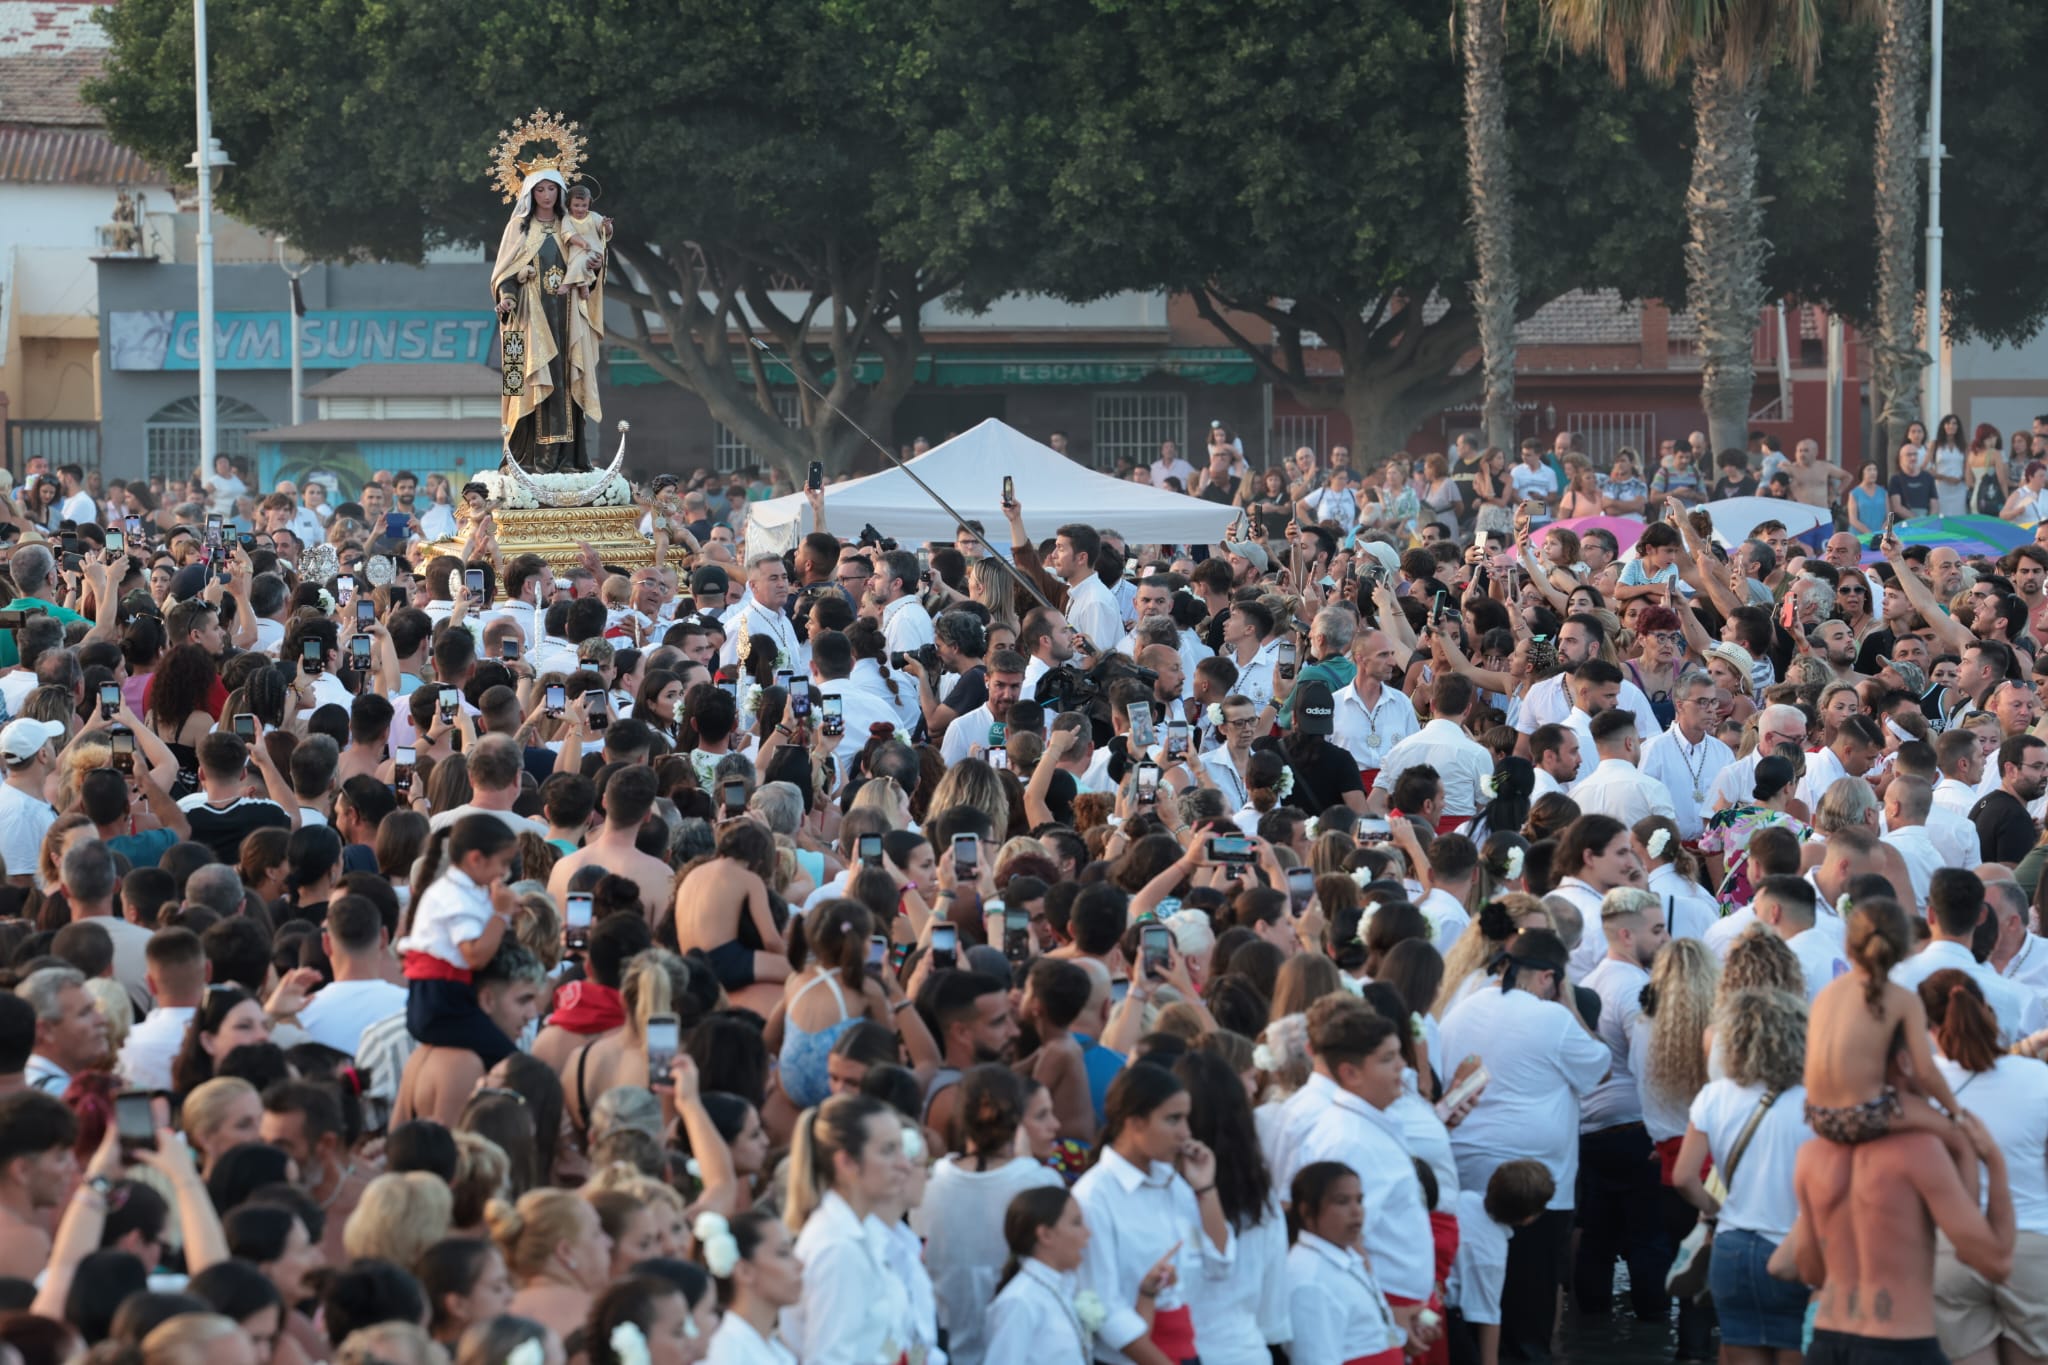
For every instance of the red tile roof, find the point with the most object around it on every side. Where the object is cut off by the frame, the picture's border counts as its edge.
(70, 156)
(43, 87)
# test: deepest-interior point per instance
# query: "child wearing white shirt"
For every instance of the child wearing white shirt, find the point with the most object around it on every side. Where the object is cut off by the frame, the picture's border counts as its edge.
(456, 929)
(1041, 1314)
(1339, 1313)
(1515, 1196)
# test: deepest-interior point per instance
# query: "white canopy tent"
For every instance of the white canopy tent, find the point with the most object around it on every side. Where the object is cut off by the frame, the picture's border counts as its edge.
(967, 472)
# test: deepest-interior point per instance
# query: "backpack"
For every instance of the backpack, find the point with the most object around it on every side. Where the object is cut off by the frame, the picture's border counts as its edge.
(1989, 501)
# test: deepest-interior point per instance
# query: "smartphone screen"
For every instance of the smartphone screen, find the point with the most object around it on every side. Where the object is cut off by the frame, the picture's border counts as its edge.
(366, 611)
(595, 713)
(1155, 945)
(870, 849)
(311, 651)
(878, 955)
(508, 650)
(1176, 738)
(406, 756)
(1143, 733)
(345, 584)
(359, 650)
(110, 699)
(245, 728)
(1009, 489)
(662, 1040)
(1301, 887)
(1016, 935)
(966, 854)
(999, 759)
(1287, 658)
(1230, 848)
(115, 543)
(945, 946)
(1148, 782)
(576, 920)
(558, 699)
(135, 1120)
(473, 579)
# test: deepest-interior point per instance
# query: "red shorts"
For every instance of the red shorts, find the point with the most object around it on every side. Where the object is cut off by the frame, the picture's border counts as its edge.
(1448, 824)
(1390, 1356)
(1367, 776)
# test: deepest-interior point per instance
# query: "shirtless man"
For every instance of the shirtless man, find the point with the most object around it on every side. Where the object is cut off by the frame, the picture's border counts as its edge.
(438, 1081)
(1865, 1235)
(1813, 478)
(37, 1170)
(628, 797)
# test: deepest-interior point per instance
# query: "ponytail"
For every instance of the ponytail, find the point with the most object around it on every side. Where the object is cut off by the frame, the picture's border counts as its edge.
(836, 1127)
(1032, 1211)
(432, 859)
(1963, 1024)
(1878, 940)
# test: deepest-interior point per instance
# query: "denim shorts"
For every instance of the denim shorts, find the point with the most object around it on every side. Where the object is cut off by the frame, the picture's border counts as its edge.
(1755, 1310)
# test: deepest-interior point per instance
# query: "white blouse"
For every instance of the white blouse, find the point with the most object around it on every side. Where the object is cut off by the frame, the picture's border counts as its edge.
(854, 1309)
(962, 1221)
(1238, 1321)
(1134, 1218)
(737, 1343)
(1033, 1320)
(1339, 1312)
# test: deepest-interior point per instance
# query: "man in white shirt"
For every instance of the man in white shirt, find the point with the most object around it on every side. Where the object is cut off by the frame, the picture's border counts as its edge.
(1554, 749)
(363, 990)
(89, 879)
(1250, 644)
(1596, 855)
(176, 976)
(1907, 801)
(761, 614)
(1952, 834)
(1790, 907)
(1460, 761)
(25, 817)
(1618, 1183)
(78, 506)
(1856, 745)
(984, 726)
(1336, 502)
(1453, 864)
(1046, 641)
(1955, 906)
(1617, 787)
(1686, 759)
(1372, 715)
(223, 488)
(1736, 786)
(494, 768)
(1548, 703)
(906, 625)
(1170, 465)
(1092, 608)
(2019, 955)
(860, 709)
(1960, 759)
(1533, 480)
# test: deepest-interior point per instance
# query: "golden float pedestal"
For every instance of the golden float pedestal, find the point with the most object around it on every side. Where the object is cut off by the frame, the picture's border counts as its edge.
(558, 535)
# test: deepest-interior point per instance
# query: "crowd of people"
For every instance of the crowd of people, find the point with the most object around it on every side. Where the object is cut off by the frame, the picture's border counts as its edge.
(1325, 946)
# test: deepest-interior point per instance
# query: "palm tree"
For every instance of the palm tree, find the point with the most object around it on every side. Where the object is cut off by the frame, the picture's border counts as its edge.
(1896, 357)
(1497, 291)
(1729, 45)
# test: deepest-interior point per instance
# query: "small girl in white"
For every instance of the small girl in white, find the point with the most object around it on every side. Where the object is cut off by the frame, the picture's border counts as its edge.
(754, 1258)
(459, 920)
(1338, 1310)
(1041, 1315)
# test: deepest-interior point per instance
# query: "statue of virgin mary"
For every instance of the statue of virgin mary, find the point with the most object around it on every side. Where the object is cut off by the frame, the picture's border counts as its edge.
(547, 346)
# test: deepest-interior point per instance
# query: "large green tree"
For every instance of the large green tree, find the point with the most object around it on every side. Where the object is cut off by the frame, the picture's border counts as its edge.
(757, 158)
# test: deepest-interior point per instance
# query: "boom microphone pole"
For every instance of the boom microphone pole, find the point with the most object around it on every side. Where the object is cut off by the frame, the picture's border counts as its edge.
(891, 456)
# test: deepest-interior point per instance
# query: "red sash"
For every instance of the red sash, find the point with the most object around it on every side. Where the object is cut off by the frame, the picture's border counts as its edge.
(1367, 776)
(1173, 1333)
(427, 967)
(1390, 1356)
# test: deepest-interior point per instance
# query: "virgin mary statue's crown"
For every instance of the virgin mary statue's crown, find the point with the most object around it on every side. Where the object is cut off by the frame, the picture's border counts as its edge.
(561, 151)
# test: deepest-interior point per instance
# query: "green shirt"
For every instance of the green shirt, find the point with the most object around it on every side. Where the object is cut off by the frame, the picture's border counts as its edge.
(8, 657)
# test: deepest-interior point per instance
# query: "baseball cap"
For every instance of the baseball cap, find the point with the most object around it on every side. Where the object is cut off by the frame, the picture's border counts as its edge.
(1909, 674)
(188, 582)
(709, 579)
(23, 739)
(1315, 709)
(1250, 551)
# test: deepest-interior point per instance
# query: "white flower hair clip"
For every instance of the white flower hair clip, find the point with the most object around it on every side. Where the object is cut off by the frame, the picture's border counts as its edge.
(1361, 877)
(1659, 841)
(1263, 1059)
(1415, 1026)
(1365, 914)
(326, 602)
(1285, 786)
(1214, 715)
(902, 736)
(629, 1345)
(721, 1248)
(527, 1352)
(1842, 905)
(1486, 785)
(1311, 824)
(1512, 870)
(913, 1144)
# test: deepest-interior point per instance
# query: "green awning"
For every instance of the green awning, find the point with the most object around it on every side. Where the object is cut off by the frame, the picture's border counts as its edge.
(960, 370)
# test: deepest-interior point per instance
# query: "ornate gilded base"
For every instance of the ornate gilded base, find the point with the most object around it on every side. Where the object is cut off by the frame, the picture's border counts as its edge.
(558, 533)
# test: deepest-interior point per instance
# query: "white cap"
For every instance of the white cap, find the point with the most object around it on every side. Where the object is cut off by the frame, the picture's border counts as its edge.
(23, 739)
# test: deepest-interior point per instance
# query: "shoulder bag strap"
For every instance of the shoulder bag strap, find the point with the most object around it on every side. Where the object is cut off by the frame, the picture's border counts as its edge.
(1742, 1139)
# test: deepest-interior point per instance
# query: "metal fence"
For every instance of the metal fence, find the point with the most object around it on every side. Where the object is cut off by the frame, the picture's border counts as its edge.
(1600, 434)
(1292, 432)
(60, 443)
(1131, 426)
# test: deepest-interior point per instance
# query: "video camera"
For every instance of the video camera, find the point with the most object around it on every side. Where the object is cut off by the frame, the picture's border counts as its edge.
(1068, 689)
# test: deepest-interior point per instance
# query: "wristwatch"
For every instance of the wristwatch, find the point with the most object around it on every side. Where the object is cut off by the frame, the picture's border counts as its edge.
(100, 1186)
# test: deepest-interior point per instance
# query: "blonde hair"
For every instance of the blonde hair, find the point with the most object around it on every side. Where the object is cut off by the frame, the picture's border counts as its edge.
(882, 796)
(399, 1217)
(539, 928)
(115, 1005)
(483, 1174)
(838, 1126)
(184, 1339)
(529, 1232)
(1679, 1002)
(1330, 852)
(390, 1343)
(205, 1109)
(654, 981)
(623, 1178)
(1763, 1038)
(971, 782)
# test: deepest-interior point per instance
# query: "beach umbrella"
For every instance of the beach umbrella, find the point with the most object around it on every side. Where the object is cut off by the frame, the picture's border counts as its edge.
(1735, 518)
(1966, 535)
(1625, 530)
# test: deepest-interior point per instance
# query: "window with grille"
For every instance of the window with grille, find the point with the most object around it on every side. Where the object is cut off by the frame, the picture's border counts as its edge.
(171, 437)
(729, 454)
(1130, 426)
(1291, 433)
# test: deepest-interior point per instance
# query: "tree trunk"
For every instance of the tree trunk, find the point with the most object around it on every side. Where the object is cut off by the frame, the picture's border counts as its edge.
(1724, 252)
(1895, 354)
(1490, 179)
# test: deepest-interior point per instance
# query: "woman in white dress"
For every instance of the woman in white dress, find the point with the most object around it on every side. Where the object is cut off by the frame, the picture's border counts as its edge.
(1951, 457)
(754, 1258)
(847, 1165)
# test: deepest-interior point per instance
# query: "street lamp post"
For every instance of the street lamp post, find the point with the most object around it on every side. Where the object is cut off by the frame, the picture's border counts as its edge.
(1935, 407)
(208, 161)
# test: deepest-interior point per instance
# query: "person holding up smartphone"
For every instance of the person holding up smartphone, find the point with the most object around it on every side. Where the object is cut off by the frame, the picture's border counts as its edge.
(628, 799)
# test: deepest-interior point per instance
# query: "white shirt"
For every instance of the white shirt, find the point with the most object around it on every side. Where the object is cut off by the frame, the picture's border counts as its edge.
(1033, 1321)
(1736, 786)
(1368, 732)
(1134, 1219)
(437, 522)
(1396, 1218)
(1663, 1117)
(1255, 676)
(737, 1343)
(1822, 771)
(1340, 1312)
(1175, 468)
(1581, 896)
(1687, 771)
(1543, 1064)
(2028, 968)
(1723, 932)
(454, 910)
(1548, 703)
(1955, 796)
(1481, 1266)
(1540, 482)
(1760, 1199)
(145, 1060)
(961, 1219)
(2019, 1011)
(222, 491)
(965, 732)
(1615, 1100)
(854, 1311)
(1092, 610)
(339, 1011)
(1422, 1132)
(1689, 912)
(79, 508)
(2012, 1100)
(1329, 504)
(1447, 918)
(1239, 1319)
(861, 710)
(1460, 761)
(1953, 836)
(756, 619)
(24, 820)
(1820, 958)
(1922, 859)
(906, 625)
(1618, 788)
(867, 677)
